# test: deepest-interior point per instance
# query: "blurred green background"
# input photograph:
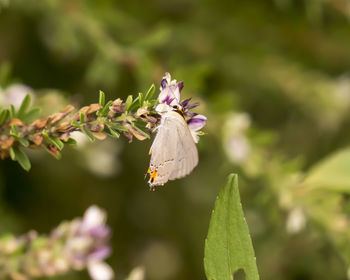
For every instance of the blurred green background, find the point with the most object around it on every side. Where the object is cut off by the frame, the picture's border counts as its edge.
(273, 79)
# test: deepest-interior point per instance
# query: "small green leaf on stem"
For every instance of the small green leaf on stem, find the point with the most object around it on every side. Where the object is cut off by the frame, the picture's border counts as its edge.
(140, 98)
(75, 124)
(105, 110)
(102, 99)
(12, 111)
(114, 133)
(150, 92)
(142, 132)
(71, 142)
(21, 158)
(119, 127)
(24, 106)
(14, 131)
(82, 117)
(89, 135)
(12, 154)
(128, 102)
(57, 142)
(24, 142)
(31, 115)
(228, 246)
(3, 115)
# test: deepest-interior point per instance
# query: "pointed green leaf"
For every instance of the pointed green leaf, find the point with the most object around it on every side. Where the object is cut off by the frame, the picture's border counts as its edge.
(75, 123)
(142, 132)
(114, 133)
(22, 158)
(128, 102)
(228, 246)
(12, 154)
(102, 99)
(140, 99)
(14, 131)
(118, 127)
(71, 142)
(57, 142)
(12, 111)
(31, 115)
(105, 110)
(88, 134)
(3, 116)
(82, 117)
(150, 92)
(24, 142)
(24, 106)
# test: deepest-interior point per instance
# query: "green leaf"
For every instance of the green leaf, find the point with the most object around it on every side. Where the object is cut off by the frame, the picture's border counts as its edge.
(21, 158)
(142, 132)
(71, 142)
(150, 92)
(88, 134)
(118, 127)
(14, 131)
(114, 133)
(3, 115)
(12, 111)
(31, 115)
(140, 98)
(102, 99)
(228, 246)
(331, 173)
(105, 110)
(82, 117)
(24, 106)
(75, 123)
(24, 142)
(57, 142)
(12, 154)
(128, 102)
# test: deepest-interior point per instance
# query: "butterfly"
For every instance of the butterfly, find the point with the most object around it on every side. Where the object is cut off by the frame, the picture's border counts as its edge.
(173, 152)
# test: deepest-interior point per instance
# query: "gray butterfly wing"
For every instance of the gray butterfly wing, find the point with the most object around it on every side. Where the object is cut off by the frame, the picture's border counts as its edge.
(163, 151)
(186, 152)
(173, 153)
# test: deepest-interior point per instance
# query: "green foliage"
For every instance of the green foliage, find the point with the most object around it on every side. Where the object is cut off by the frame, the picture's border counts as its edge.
(18, 155)
(102, 99)
(228, 246)
(332, 173)
(150, 93)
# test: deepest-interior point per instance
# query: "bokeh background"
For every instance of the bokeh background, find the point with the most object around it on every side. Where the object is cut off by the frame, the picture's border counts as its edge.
(273, 79)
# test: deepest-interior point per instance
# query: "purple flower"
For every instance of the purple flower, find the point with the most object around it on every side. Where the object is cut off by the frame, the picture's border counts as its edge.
(169, 97)
(196, 123)
(170, 91)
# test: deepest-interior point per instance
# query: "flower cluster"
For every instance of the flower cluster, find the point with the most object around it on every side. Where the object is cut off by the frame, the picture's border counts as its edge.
(169, 99)
(75, 245)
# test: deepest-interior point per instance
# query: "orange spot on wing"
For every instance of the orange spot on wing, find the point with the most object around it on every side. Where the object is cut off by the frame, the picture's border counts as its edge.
(153, 176)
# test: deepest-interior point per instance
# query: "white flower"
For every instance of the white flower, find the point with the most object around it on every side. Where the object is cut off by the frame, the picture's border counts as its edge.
(100, 271)
(15, 94)
(94, 217)
(296, 220)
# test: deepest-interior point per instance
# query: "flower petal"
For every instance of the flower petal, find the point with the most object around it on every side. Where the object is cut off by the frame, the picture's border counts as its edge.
(197, 122)
(100, 271)
(100, 254)
(93, 217)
